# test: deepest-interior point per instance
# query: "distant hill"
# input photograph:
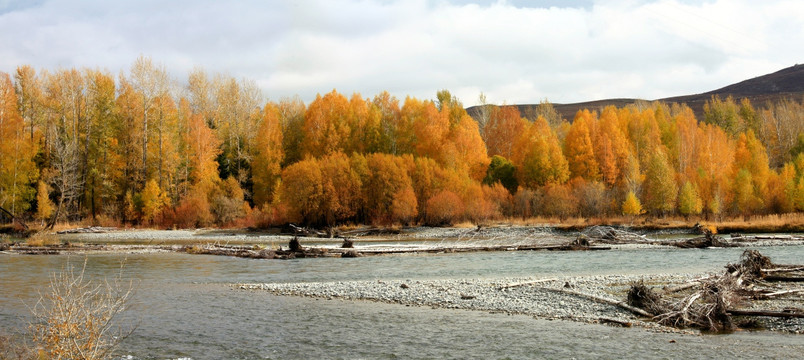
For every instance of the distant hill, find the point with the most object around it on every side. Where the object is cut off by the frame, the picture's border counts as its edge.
(785, 83)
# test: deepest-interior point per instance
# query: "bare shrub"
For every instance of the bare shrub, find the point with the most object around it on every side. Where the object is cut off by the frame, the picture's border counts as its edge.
(11, 347)
(227, 209)
(525, 202)
(75, 320)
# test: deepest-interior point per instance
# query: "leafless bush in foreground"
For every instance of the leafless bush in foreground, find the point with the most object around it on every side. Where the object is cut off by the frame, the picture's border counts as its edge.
(75, 319)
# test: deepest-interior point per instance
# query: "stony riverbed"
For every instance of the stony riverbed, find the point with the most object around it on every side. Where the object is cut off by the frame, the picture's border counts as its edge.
(547, 298)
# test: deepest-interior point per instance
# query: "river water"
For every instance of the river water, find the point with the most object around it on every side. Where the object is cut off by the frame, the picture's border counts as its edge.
(186, 308)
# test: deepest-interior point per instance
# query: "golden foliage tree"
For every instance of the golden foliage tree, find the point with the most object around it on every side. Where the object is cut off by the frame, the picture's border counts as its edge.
(505, 124)
(579, 151)
(204, 149)
(269, 154)
(341, 186)
(17, 169)
(302, 191)
(689, 203)
(44, 207)
(387, 178)
(661, 190)
(631, 205)
(326, 125)
(154, 200)
(539, 157)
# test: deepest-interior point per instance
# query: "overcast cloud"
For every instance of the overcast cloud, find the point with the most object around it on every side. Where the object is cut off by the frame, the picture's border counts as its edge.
(514, 52)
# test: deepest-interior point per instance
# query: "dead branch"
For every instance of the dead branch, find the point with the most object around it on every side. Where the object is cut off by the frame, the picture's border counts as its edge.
(682, 287)
(709, 306)
(14, 218)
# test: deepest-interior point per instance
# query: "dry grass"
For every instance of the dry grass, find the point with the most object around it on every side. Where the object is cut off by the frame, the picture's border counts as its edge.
(464, 224)
(755, 224)
(767, 223)
(42, 239)
(102, 221)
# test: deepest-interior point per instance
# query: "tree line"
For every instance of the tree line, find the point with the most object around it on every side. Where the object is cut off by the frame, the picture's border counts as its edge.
(138, 148)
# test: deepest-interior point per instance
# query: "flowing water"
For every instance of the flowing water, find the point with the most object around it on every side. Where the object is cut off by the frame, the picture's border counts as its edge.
(186, 308)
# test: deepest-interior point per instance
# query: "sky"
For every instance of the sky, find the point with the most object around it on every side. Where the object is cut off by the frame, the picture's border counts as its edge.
(514, 52)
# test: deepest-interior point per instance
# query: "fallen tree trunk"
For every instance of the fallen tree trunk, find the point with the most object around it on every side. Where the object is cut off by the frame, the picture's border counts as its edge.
(790, 269)
(767, 313)
(784, 278)
(777, 293)
(701, 242)
(525, 283)
(614, 322)
(601, 300)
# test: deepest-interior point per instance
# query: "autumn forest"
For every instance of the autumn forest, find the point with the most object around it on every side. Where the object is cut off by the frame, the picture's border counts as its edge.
(136, 148)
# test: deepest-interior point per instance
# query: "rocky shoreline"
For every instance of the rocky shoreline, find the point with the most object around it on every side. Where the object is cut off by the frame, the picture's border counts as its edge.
(561, 298)
(509, 234)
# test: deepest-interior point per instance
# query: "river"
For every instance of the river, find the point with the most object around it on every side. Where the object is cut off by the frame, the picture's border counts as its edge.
(186, 308)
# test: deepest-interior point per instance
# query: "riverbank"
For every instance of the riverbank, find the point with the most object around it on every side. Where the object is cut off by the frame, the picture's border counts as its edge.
(372, 241)
(588, 299)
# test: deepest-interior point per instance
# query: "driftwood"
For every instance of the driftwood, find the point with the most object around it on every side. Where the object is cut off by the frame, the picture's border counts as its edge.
(303, 231)
(601, 300)
(525, 283)
(87, 230)
(712, 304)
(369, 231)
(439, 250)
(700, 242)
(768, 313)
(614, 322)
(256, 253)
(682, 287)
(295, 245)
(783, 269)
(611, 235)
(777, 293)
(784, 278)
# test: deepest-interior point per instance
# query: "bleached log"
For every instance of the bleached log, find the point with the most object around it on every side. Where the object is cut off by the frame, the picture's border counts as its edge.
(779, 293)
(790, 269)
(525, 283)
(601, 300)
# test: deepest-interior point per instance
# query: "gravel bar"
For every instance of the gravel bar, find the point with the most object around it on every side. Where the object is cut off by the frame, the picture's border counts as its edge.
(546, 298)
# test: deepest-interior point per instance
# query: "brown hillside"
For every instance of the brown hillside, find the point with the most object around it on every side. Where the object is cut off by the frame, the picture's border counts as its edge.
(785, 83)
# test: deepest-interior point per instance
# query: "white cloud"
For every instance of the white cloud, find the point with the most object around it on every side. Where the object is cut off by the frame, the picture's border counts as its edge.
(515, 51)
